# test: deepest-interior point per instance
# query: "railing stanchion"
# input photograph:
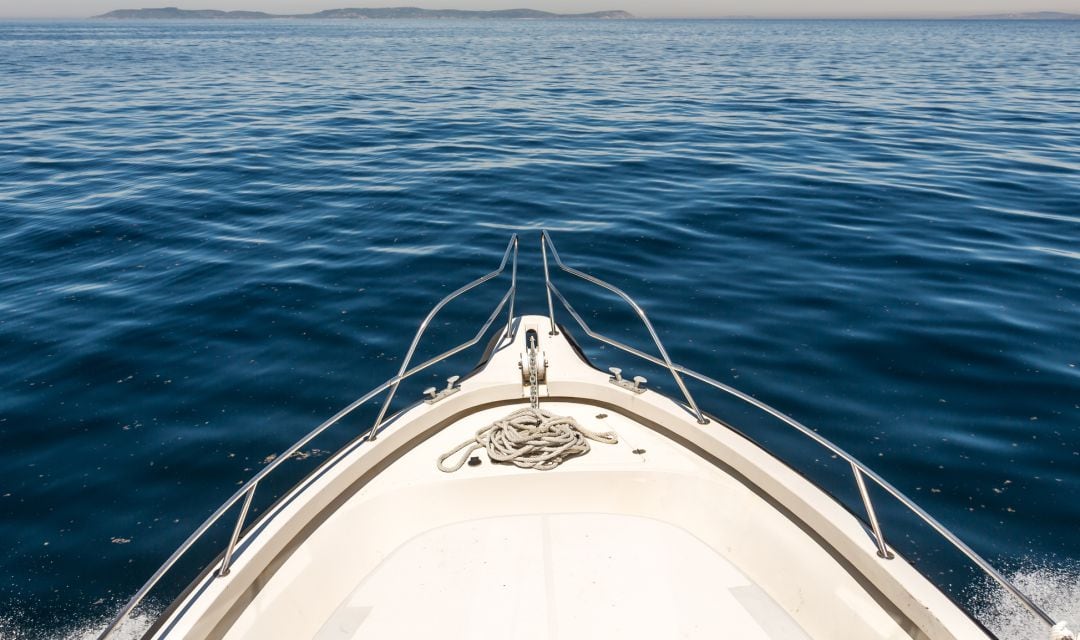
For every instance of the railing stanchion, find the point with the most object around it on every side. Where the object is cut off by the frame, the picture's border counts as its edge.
(513, 287)
(882, 552)
(227, 560)
(371, 435)
(547, 284)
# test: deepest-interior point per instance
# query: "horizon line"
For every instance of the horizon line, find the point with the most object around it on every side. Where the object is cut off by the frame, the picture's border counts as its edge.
(999, 15)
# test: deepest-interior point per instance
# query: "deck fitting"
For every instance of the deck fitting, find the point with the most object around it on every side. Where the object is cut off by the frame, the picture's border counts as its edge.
(616, 379)
(434, 395)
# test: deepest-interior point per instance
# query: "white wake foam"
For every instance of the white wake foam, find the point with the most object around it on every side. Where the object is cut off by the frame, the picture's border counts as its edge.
(1056, 590)
(131, 629)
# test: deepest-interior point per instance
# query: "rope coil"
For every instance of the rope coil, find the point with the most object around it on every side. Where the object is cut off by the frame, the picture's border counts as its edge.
(531, 439)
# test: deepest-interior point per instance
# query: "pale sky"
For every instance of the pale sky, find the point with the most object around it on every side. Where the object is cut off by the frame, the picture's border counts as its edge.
(641, 8)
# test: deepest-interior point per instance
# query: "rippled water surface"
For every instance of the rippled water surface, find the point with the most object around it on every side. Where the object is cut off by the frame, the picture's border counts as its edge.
(214, 235)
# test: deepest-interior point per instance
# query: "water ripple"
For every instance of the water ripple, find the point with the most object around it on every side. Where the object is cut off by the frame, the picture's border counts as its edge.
(216, 234)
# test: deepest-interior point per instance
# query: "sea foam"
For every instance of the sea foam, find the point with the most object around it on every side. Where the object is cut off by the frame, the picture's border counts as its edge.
(1055, 589)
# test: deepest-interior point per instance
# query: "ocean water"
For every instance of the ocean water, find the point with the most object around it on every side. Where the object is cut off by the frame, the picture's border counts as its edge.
(214, 235)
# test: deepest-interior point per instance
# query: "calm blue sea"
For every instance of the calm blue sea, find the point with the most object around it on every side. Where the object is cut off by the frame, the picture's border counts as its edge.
(215, 234)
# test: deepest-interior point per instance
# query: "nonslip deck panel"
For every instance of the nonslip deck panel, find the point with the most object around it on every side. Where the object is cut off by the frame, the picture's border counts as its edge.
(665, 485)
(570, 576)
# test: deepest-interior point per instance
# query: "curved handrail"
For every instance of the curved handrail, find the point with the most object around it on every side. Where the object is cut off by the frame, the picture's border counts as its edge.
(431, 314)
(247, 491)
(859, 470)
(633, 305)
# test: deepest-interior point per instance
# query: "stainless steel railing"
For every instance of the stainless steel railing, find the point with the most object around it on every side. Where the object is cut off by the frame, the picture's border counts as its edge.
(860, 471)
(247, 491)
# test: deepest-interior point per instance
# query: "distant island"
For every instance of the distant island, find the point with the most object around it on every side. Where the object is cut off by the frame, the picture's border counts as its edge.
(408, 13)
(1030, 15)
(386, 13)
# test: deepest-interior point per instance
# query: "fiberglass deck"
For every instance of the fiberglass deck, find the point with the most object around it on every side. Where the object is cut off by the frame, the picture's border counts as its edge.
(536, 577)
(557, 554)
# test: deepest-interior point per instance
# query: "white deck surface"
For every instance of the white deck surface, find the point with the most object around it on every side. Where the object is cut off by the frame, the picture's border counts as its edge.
(557, 576)
(537, 573)
(645, 539)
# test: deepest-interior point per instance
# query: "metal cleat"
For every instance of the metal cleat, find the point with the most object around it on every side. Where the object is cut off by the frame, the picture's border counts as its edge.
(434, 396)
(617, 380)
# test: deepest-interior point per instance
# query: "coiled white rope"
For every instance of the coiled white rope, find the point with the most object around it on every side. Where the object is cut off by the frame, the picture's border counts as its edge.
(531, 439)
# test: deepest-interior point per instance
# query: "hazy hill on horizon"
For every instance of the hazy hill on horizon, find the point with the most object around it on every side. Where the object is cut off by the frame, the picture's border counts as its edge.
(402, 13)
(173, 13)
(1028, 15)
